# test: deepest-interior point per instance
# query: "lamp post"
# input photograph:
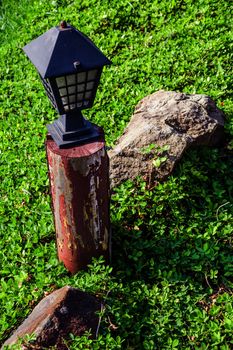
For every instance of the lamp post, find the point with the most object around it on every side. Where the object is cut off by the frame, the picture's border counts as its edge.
(70, 67)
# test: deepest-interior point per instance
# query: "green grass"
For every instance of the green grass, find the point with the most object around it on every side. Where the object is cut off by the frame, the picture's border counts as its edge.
(171, 280)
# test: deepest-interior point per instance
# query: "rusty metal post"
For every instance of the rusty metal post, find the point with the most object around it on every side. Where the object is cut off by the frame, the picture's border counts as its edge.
(79, 181)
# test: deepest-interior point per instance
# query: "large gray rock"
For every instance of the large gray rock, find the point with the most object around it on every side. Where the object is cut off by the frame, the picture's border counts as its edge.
(163, 126)
(67, 310)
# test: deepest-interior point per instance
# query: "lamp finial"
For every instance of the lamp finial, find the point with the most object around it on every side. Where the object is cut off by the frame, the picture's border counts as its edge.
(63, 24)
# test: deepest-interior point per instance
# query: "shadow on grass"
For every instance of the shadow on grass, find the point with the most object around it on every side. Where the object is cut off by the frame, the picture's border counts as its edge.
(172, 246)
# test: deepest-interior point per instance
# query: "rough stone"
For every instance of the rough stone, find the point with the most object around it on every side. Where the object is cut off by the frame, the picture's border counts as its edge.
(66, 310)
(162, 127)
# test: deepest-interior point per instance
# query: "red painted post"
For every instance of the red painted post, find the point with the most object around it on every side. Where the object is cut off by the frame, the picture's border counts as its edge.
(79, 181)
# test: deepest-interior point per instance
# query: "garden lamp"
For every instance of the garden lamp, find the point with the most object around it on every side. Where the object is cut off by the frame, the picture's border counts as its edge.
(70, 66)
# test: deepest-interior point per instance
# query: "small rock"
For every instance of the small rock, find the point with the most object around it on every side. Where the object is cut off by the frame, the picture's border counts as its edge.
(163, 126)
(67, 310)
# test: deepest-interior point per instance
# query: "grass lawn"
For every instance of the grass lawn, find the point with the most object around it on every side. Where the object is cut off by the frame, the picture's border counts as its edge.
(170, 284)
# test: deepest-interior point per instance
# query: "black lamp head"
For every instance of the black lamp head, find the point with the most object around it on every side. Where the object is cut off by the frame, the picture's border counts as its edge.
(70, 66)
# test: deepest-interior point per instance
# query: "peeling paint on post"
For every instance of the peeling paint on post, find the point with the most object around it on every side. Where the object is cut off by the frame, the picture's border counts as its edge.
(79, 181)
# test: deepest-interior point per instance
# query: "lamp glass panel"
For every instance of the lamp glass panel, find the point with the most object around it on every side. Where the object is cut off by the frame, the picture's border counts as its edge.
(71, 90)
(61, 82)
(90, 85)
(72, 98)
(81, 77)
(92, 74)
(63, 92)
(81, 87)
(88, 94)
(65, 100)
(71, 79)
(79, 97)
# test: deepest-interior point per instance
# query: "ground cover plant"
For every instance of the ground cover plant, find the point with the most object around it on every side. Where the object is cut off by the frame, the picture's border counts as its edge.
(170, 283)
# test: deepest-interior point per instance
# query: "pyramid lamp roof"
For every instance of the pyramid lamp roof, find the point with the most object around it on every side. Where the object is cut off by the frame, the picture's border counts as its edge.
(64, 50)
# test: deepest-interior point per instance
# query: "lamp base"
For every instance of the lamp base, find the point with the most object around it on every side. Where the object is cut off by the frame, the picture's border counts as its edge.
(75, 137)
